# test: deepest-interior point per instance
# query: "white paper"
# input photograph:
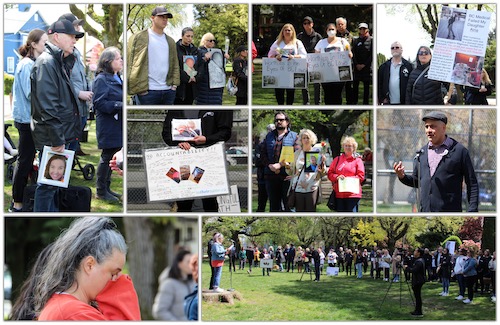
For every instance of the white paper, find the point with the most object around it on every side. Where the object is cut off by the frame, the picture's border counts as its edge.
(231, 202)
(329, 67)
(285, 73)
(349, 184)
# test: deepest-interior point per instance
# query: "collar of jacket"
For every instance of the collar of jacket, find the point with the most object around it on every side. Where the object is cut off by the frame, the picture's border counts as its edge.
(55, 51)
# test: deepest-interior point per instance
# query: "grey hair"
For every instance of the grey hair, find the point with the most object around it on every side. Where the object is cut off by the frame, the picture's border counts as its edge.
(312, 136)
(87, 236)
(339, 19)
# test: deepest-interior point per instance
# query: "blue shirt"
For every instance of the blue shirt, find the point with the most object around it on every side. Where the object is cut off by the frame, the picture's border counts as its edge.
(21, 91)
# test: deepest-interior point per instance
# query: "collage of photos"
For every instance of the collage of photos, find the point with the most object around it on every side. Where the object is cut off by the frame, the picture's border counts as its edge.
(370, 196)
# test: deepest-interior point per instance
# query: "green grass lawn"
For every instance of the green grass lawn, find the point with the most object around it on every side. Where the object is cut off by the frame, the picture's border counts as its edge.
(77, 179)
(265, 96)
(282, 297)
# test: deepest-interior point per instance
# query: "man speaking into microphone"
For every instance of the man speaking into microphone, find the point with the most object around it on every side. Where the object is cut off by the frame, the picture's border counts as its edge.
(440, 167)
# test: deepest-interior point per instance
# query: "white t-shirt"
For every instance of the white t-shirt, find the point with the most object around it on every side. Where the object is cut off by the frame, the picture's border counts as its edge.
(323, 46)
(158, 59)
(287, 49)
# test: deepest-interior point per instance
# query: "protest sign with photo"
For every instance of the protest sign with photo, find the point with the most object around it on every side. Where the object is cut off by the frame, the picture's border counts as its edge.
(177, 174)
(55, 167)
(460, 46)
(285, 73)
(333, 66)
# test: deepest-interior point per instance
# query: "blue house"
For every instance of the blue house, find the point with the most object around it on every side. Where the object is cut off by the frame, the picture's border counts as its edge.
(18, 22)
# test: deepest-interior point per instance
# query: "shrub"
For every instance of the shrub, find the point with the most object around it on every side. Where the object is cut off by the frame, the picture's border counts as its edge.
(8, 82)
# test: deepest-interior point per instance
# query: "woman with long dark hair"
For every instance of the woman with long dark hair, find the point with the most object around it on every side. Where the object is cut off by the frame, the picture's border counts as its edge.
(176, 282)
(21, 112)
(108, 105)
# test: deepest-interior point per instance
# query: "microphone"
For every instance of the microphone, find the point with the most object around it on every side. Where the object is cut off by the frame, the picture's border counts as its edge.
(418, 153)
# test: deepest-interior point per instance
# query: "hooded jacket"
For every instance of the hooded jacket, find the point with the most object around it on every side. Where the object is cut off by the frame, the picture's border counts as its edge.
(54, 104)
(423, 91)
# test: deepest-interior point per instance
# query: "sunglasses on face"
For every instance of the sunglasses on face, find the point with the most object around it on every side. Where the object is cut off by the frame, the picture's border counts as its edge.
(306, 23)
(395, 47)
(279, 120)
(423, 53)
(211, 41)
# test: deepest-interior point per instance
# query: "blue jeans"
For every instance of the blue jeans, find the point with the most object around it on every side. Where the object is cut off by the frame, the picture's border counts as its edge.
(461, 284)
(46, 198)
(156, 97)
(348, 205)
(217, 276)
(446, 283)
(359, 268)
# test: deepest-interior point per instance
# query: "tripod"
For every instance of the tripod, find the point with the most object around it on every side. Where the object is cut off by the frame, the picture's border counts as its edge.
(400, 269)
(310, 274)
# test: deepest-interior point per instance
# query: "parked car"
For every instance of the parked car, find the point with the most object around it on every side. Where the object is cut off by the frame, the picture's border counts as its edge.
(237, 155)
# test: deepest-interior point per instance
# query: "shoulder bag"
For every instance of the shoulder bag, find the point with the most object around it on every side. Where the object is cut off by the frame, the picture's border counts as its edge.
(332, 200)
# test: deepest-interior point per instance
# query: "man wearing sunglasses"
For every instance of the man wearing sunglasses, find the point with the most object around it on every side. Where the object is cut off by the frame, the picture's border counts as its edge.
(275, 175)
(393, 77)
(362, 50)
(152, 65)
(310, 38)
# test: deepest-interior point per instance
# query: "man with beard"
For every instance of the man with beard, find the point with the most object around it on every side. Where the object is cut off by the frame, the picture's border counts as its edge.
(275, 175)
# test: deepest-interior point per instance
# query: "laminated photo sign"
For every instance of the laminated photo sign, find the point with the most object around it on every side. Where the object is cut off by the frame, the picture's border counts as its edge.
(285, 73)
(333, 66)
(216, 70)
(176, 174)
(55, 167)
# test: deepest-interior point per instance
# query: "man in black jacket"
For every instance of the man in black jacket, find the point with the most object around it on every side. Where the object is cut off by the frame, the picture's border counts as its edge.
(393, 77)
(215, 126)
(54, 103)
(309, 37)
(417, 280)
(362, 51)
(440, 168)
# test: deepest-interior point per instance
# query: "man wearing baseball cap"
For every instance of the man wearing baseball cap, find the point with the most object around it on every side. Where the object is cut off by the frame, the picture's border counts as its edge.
(54, 103)
(309, 37)
(80, 83)
(152, 65)
(362, 51)
(440, 167)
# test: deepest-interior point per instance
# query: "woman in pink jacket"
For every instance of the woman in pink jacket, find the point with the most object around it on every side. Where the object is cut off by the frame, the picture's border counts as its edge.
(346, 173)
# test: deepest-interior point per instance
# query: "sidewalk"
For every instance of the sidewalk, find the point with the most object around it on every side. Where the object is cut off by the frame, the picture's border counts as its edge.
(7, 110)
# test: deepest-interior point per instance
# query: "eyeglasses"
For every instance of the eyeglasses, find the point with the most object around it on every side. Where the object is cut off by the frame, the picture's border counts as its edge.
(306, 23)
(395, 47)
(423, 53)
(211, 40)
(279, 120)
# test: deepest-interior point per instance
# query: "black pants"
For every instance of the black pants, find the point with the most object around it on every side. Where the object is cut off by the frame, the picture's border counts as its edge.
(232, 263)
(262, 197)
(212, 274)
(417, 290)
(317, 95)
(209, 205)
(349, 93)
(289, 263)
(277, 190)
(493, 282)
(333, 92)
(348, 269)
(341, 263)
(469, 284)
(188, 96)
(317, 270)
(241, 100)
(103, 181)
(366, 91)
(24, 165)
(280, 96)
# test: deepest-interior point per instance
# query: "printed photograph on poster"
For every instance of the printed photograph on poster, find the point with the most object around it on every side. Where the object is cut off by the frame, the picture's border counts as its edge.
(216, 70)
(56, 167)
(188, 64)
(174, 173)
(332, 66)
(185, 129)
(284, 74)
(312, 160)
(460, 46)
(452, 23)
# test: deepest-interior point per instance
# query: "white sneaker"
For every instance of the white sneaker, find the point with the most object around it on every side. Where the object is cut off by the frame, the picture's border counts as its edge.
(494, 299)
(442, 293)
(14, 152)
(446, 294)
(467, 301)
(459, 297)
(6, 156)
(219, 290)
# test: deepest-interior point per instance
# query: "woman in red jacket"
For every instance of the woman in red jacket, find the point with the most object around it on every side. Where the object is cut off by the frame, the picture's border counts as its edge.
(346, 173)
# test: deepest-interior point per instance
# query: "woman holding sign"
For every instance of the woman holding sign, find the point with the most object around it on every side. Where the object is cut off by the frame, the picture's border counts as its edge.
(332, 90)
(286, 46)
(346, 173)
(305, 182)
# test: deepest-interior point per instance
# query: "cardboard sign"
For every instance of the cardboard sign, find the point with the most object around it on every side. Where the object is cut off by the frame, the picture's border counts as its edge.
(285, 73)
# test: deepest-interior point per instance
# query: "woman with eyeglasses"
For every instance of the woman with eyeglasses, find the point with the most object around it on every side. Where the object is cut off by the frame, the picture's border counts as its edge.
(421, 90)
(288, 47)
(204, 94)
(332, 90)
(348, 168)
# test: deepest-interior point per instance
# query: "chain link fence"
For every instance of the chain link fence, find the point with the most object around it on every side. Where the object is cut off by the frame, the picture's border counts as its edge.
(144, 128)
(400, 133)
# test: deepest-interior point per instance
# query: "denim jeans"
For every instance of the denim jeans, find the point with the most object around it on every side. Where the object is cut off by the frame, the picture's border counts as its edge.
(157, 97)
(446, 283)
(46, 198)
(461, 284)
(359, 268)
(217, 276)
